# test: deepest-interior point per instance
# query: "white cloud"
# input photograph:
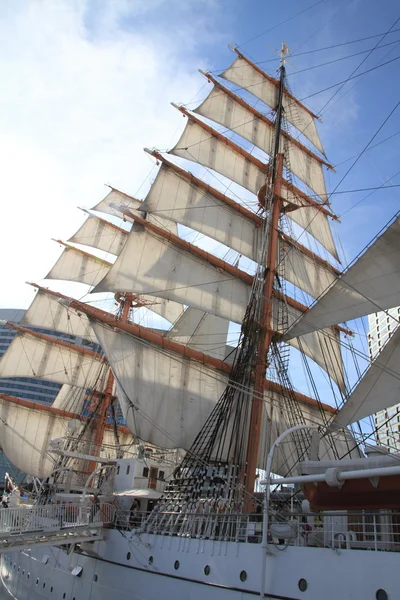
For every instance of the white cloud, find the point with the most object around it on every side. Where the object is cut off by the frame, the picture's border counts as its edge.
(88, 85)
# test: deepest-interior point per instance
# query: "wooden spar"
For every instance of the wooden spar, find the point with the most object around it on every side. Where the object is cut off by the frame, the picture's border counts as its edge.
(207, 188)
(217, 262)
(69, 247)
(57, 341)
(258, 163)
(157, 339)
(138, 302)
(264, 119)
(108, 223)
(59, 412)
(258, 221)
(192, 249)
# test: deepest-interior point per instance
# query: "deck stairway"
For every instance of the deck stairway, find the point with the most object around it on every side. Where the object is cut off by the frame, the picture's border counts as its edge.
(52, 525)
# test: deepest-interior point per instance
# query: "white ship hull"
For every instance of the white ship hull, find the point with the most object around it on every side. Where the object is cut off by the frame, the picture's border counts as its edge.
(124, 569)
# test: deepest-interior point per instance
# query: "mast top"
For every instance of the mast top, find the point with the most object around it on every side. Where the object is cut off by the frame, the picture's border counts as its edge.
(283, 53)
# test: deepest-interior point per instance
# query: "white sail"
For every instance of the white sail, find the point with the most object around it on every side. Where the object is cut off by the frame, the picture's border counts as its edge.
(166, 398)
(29, 356)
(323, 347)
(305, 271)
(265, 88)
(75, 265)
(115, 197)
(117, 203)
(70, 398)
(169, 310)
(26, 430)
(201, 331)
(166, 271)
(378, 389)
(182, 201)
(47, 312)
(150, 264)
(99, 234)
(239, 118)
(198, 145)
(371, 284)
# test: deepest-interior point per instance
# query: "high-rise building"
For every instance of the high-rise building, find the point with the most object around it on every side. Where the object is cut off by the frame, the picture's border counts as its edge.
(387, 422)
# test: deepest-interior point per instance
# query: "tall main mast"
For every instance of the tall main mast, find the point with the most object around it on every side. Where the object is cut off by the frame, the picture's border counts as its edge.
(273, 205)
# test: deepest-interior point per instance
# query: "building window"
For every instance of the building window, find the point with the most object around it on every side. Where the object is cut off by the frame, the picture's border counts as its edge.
(145, 472)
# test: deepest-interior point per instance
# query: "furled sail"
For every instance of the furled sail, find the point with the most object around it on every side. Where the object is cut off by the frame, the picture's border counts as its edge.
(47, 312)
(203, 145)
(225, 108)
(52, 360)
(371, 284)
(378, 389)
(76, 265)
(252, 79)
(202, 331)
(100, 234)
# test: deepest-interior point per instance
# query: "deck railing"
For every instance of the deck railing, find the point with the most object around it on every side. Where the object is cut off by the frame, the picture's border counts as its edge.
(53, 517)
(378, 530)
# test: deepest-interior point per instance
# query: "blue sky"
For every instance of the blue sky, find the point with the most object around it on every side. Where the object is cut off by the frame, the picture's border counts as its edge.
(88, 84)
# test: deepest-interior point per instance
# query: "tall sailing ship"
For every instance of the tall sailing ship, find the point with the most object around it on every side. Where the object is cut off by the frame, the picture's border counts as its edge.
(214, 387)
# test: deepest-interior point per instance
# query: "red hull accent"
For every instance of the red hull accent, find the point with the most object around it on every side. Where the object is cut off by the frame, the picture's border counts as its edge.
(355, 494)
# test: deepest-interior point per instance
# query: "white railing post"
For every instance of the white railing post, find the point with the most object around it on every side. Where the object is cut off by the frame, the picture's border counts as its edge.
(267, 494)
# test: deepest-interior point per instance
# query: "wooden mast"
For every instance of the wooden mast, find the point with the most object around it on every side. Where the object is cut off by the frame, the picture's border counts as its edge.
(104, 403)
(266, 324)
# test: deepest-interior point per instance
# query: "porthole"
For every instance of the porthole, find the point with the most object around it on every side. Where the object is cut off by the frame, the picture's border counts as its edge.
(176, 565)
(151, 560)
(381, 595)
(128, 556)
(243, 575)
(95, 577)
(303, 585)
(207, 570)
